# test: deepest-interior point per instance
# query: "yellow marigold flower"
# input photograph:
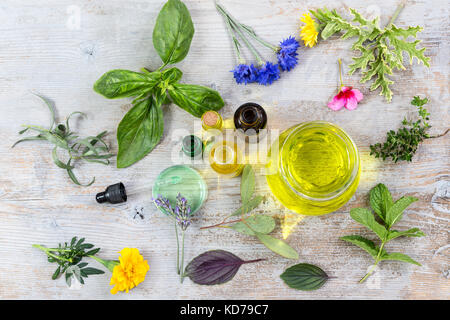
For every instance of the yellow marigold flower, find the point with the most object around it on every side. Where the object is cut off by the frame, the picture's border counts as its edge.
(130, 271)
(309, 31)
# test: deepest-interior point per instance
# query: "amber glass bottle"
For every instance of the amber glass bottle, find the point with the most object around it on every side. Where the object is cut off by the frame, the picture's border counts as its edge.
(251, 118)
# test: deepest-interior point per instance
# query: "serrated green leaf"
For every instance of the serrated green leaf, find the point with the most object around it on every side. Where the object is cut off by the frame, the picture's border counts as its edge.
(278, 246)
(366, 218)
(397, 256)
(414, 232)
(247, 183)
(395, 212)
(362, 61)
(380, 200)
(304, 276)
(363, 243)
(257, 223)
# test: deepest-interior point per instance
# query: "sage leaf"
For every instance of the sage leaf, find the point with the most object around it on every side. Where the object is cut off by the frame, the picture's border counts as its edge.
(247, 183)
(395, 213)
(414, 232)
(380, 200)
(173, 32)
(399, 257)
(214, 267)
(366, 218)
(304, 276)
(249, 206)
(363, 243)
(278, 246)
(195, 99)
(139, 132)
(119, 83)
(257, 223)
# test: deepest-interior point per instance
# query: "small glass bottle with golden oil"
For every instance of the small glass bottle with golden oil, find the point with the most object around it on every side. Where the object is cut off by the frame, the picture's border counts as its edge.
(313, 168)
(226, 158)
(212, 120)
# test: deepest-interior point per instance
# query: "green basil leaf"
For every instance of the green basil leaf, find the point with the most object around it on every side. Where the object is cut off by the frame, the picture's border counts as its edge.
(414, 232)
(173, 32)
(366, 218)
(195, 99)
(257, 223)
(139, 132)
(363, 243)
(124, 83)
(172, 75)
(399, 257)
(278, 246)
(395, 213)
(304, 276)
(380, 200)
(249, 206)
(247, 183)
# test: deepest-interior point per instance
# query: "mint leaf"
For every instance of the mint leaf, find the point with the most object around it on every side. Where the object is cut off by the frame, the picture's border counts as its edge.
(399, 257)
(304, 276)
(395, 213)
(414, 232)
(380, 200)
(366, 218)
(363, 243)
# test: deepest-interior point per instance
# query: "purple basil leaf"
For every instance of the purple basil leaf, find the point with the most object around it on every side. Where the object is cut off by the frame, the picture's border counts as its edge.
(214, 267)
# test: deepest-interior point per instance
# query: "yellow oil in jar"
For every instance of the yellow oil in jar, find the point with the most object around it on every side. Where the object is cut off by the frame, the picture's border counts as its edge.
(314, 168)
(226, 159)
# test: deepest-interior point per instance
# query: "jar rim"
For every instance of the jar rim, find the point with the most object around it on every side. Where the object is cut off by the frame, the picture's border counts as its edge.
(354, 175)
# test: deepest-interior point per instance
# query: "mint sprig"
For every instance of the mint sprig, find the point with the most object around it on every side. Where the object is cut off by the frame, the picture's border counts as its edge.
(390, 213)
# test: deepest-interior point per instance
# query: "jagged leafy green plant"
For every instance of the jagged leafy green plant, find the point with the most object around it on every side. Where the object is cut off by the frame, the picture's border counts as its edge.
(381, 50)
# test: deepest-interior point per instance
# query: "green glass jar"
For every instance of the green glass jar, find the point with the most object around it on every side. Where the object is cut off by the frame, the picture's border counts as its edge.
(313, 168)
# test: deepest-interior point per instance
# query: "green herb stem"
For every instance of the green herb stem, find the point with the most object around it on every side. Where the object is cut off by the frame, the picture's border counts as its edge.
(182, 257)
(178, 249)
(375, 264)
(221, 223)
(396, 13)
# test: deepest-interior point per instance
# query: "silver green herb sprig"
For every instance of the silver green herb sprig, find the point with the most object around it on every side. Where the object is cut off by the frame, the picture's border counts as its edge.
(403, 144)
(390, 213)
(69, 258)
(90, 149)
(381, 50)
(256, 225)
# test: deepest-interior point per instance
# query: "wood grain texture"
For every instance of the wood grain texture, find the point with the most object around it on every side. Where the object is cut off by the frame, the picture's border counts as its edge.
(38, 203)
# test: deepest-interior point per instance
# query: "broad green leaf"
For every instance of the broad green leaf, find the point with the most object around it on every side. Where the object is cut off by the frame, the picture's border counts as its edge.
(139, 132)
(366, 218)
(247, 183)
(304, 276)
(395, 212)
(399, 257)
(414, 232)
(380, 200)
(257, 223)
(124, 83)
(91, 271)
(363, 243)
(173, 32)
(172, 75)
(277, 246)
(195, 99)
(249, 206)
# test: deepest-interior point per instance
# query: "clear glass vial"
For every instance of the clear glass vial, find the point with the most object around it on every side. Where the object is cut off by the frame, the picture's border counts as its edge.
(226, 158)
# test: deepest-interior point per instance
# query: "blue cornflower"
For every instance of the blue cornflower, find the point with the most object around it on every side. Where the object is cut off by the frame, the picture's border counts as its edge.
(268, 73)
(287, 54)
(245, 73)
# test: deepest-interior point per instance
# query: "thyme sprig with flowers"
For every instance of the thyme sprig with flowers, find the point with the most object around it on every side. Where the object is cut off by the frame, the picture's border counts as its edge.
(181, 215)
(264, 73)
(90, 149)
(403, 144)
(69, 258)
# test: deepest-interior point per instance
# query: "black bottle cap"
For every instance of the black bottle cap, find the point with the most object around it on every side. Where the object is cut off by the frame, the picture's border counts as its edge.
(115, 193)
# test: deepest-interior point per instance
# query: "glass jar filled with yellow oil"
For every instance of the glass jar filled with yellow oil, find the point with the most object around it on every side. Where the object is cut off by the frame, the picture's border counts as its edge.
(313, 168)
(226, 158)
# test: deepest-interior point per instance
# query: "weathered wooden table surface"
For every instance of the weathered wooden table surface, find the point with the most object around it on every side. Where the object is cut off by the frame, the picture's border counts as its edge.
(45, 50)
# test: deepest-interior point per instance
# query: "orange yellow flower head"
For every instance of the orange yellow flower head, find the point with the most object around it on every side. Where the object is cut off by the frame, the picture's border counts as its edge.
(130, 271)
(309, 31)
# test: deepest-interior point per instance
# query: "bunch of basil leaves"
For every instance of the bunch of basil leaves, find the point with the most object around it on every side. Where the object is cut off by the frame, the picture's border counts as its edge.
(142, 127)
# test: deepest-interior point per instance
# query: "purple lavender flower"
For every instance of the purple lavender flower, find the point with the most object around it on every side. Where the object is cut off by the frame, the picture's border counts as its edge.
(287, 54)
(181, 213)
(268, 73)
(245, 73)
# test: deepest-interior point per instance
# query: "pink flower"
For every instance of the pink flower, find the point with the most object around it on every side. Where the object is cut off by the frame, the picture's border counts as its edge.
(347, 97)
